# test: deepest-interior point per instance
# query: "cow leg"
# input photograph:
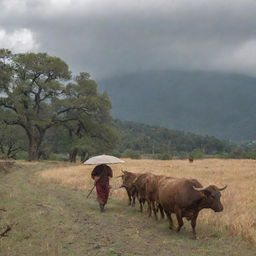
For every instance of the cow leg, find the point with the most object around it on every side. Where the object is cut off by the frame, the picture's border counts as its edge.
(141, 205)
(149, 208)
(129, 197)
(140, 201)
(154, 209)
(133, 200)
(161, 210)
(133, 193)
(169, 217)
(179, 219)
(193, 225)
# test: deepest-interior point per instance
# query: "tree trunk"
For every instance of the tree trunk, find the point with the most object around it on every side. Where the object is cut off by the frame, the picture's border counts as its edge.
(33, 150)
(84, 156)
(34, 146)
(72, 155)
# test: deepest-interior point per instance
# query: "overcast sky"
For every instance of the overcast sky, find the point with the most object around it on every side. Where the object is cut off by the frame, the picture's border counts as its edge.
(108, 37)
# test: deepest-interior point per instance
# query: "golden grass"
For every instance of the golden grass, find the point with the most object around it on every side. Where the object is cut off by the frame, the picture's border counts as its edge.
(239, 199)
(26, 163)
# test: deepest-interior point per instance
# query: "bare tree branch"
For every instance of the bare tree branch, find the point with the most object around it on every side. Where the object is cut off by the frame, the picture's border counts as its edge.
(85, 110)
(4, 104)
(8, 228)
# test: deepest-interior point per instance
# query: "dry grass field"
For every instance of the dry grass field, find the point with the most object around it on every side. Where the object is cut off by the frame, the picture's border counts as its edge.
(239, 215)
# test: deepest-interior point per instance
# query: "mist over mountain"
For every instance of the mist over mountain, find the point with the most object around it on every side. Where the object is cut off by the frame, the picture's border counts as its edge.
(218, 104)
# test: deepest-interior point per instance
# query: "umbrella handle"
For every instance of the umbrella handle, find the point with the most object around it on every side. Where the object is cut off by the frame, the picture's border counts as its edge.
(91, 191)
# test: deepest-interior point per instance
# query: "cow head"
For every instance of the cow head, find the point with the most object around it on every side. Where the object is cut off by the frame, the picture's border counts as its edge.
(121, 176)
(125, 178)
(211, 197)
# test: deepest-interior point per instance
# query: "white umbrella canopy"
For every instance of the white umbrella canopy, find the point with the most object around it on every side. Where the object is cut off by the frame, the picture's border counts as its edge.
(103, 159)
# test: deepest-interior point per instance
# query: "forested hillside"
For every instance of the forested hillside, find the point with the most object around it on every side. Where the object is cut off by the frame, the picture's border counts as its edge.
(207, 103)
(164, 143)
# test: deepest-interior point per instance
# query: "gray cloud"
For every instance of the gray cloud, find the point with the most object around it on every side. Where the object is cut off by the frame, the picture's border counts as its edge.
(109, 37)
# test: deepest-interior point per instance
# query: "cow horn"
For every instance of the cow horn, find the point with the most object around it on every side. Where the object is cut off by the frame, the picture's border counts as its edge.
(134, 180)
(119, 176)
(220, 189)
(122, 171)
(199, 189)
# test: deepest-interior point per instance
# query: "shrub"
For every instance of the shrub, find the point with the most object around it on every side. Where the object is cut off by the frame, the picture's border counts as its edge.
(58, 157)
(197, 154)
(181, 155)
(132, 154)
(22, 155)
(164, 156)
(3, 156)
(116, 154)
(251, 154)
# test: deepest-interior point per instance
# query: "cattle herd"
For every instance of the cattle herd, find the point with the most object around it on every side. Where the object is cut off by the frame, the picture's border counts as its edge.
(169, 195)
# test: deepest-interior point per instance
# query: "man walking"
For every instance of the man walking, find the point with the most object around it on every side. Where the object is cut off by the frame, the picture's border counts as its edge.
(101, 175)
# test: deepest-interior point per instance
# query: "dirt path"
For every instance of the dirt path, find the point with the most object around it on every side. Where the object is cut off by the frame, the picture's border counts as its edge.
(48, 219)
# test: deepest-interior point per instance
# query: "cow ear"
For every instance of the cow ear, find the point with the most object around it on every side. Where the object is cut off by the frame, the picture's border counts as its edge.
(207, 192)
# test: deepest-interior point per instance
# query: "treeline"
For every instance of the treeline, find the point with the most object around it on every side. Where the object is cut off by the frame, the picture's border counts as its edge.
(124, 139)
(155, 142)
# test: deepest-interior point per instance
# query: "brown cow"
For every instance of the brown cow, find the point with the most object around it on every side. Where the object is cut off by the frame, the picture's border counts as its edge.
(128, 179)
(140, 186)
(152, 186)
(191, 159)
(186, 197)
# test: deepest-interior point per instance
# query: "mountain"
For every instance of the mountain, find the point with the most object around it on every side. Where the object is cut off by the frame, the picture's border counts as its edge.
(208, 103)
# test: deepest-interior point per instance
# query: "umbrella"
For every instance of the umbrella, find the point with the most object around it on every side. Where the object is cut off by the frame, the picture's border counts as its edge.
(103, 159)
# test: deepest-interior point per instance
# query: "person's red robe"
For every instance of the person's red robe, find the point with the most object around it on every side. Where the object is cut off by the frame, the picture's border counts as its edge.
(102, 185)
(102, 193)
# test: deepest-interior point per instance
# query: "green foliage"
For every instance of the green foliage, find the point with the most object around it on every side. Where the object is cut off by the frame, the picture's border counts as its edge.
(22, 155)
(164, 143)
(91, 131)
(240, 153)
(251, 154)
(197, 154)
(131, 154)
(11, 141)
(164, 156)
(237, 153)
(58, 157)
(115, 153)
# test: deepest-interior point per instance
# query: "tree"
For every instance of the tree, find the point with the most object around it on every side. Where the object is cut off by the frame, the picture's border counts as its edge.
(30, 83)
(11, 141)
(89, 133)
(34, 93)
